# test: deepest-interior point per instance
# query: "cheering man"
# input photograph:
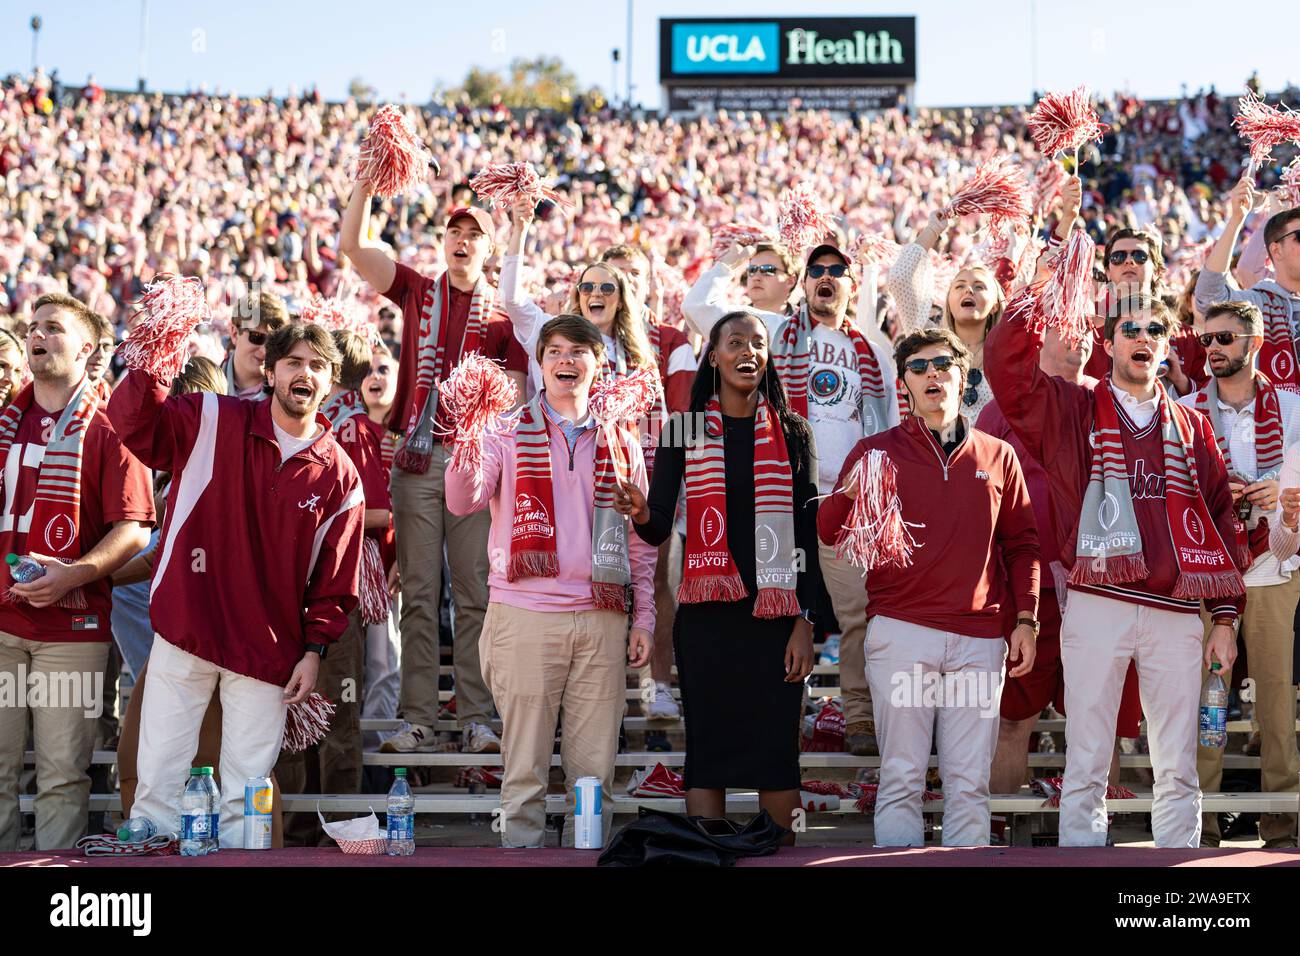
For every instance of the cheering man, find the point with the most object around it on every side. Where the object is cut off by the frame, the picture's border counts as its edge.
(1140, 485)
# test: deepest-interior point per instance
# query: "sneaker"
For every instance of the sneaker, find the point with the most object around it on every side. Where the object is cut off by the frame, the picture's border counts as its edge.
(860, 739)
(830, 650)
(663, 707)
(657, 742)
(658, 781)
(412, 738)
(479, 739)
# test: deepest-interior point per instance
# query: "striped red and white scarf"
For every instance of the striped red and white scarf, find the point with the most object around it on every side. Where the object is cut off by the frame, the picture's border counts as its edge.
(1109, 548)
(1268, 441)
(1277, 357)
(532, 537)
(709, 572)
(881, 406)
(56, 511)
(431, 365)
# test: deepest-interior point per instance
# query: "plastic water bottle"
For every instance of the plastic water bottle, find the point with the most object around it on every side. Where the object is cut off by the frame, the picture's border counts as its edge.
(401, 816)
(24, 570)
(200, 814)
(1214, 711)
(137, 830)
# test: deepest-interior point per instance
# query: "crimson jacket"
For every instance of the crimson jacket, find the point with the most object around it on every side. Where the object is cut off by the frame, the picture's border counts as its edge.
(257, 557)
(1054, 419)
(975, 567)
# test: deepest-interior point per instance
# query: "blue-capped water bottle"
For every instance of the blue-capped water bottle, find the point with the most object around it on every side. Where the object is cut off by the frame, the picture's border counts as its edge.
(136, 830)
(200, 814)
(401, 816)
(1214, 711)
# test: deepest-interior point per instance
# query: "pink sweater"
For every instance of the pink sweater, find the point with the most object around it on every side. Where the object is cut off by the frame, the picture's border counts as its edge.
(573, 489)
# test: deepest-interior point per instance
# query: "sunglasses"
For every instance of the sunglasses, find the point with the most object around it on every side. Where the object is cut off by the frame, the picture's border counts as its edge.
(606, 288)
(918, 366)
(1131, 330)
(972, 393)
(1294, 234)
(256, 339)
(1120, 256)
(1223, 338)
(768, 270)
(836, 271)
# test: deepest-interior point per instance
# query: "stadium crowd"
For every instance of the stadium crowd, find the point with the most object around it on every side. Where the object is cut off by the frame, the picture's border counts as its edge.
(1028, 467)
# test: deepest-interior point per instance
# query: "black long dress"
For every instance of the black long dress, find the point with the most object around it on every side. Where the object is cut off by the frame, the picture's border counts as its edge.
(742, 718)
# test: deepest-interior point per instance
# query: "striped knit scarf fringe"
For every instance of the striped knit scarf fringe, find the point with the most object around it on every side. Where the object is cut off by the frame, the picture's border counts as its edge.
(1277, 358)
(430, 365)
(1268, 441)
(343, 406)
(791, 347)
(709, 572)
(56, 511)
(1109, 548)
(532, 537)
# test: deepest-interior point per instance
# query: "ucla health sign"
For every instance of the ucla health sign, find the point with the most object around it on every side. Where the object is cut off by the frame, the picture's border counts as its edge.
(804, 49)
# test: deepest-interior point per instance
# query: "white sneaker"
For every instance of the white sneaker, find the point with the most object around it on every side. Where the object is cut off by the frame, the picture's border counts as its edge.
(479, 739)
(412, 738)
(663, 707)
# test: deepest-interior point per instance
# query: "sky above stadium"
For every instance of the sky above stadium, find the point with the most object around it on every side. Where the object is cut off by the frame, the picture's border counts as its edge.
(968, 52)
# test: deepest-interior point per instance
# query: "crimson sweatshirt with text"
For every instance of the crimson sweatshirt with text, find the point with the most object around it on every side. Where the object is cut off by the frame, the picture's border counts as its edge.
(1054, 418)
(258, 557)
(975, 567)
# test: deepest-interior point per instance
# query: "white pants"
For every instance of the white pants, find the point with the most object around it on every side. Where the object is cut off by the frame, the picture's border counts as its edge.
(177, 694)
(917, 674)
(1099, 636)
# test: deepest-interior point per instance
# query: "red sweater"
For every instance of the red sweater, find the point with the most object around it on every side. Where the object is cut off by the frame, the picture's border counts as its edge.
(976, 564)
(1054, 419)
(257, 557)
(677, 364)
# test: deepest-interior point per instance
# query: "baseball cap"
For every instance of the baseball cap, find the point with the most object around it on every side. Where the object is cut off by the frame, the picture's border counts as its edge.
(824, 248)
(477, 213)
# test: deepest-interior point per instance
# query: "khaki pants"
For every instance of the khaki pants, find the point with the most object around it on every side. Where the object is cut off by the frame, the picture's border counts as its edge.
(423, 524)
(64, 737)
(848, 591)
(334, 764)
(1268, 629)
(918, 675)
(1099, 636)
(542, 666)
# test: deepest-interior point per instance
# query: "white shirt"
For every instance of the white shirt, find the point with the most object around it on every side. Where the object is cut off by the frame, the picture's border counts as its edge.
(1140, 413)
(290, 446)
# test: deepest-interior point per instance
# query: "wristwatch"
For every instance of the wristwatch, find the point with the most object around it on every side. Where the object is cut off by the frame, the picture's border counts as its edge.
(1032, 622)
(318, 648)
(1232, 621)
(807, 616)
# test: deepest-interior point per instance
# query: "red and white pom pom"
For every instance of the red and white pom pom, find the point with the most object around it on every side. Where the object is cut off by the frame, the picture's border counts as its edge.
(503, 183)
(801, 221)
(307, 723)
(392, 160)
(1265, 127)
(373, 583)
(875, 534)
(728, 234)
(1047, 186)
(1289, 185)
(477, 396)
(170, 308)
(873, 249)
(998, 189)
(1062, 122)
(614, 400)
(1066, 299)
(340, 315)
(674, 287)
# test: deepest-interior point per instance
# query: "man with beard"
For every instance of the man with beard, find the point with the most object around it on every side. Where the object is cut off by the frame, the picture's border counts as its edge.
(1256, 424)
(297, 547)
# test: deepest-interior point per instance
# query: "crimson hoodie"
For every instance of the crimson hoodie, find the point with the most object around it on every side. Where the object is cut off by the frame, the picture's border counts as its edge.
(1054, 419)
(975, 567)
(258, 557)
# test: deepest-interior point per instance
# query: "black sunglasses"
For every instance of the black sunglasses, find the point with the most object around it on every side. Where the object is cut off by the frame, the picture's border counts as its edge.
(1120, 256)
(1131, 330)
(918, 366)
(1223, 338)
(1294, 233)
(836, 271)
(972, 393)
(606, 288)
(256, 339)
(768, 270)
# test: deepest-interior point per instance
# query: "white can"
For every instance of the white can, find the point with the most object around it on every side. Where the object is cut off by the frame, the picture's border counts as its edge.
(258, 798)
(588, 834)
